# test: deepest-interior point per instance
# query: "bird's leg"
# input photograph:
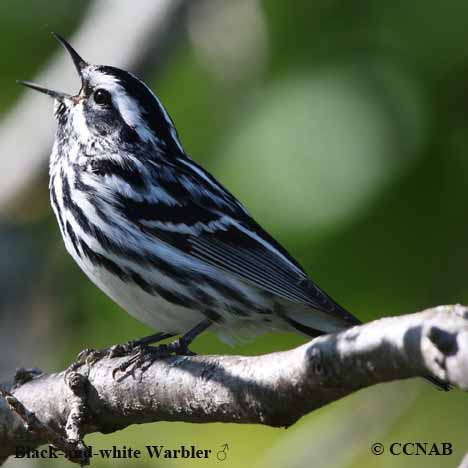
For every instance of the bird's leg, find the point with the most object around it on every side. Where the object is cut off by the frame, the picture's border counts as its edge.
(180, 346)
(154, 338)
(129, 346)
(147, 354)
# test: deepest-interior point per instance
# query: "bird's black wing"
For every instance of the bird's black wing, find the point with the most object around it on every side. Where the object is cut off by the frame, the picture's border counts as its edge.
(209, 224)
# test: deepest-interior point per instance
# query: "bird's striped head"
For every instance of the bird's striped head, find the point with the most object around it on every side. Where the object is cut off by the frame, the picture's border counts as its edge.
(112, 105)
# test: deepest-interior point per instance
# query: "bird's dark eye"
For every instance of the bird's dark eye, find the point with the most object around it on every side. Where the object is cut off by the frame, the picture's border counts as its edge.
(102, 97)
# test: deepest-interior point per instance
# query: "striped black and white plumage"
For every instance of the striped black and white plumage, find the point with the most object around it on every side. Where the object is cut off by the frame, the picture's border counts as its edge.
(156, 232)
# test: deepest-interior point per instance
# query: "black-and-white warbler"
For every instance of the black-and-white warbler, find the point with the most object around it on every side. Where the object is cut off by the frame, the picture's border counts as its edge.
(156, 232)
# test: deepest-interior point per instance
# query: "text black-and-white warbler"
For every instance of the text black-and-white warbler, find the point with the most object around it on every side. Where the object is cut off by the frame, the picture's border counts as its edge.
(160, 235)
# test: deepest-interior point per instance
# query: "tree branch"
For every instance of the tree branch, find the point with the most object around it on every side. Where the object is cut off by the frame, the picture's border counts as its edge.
(274, 389)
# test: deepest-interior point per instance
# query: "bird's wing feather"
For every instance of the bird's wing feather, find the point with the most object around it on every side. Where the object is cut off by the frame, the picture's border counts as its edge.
(209, 224)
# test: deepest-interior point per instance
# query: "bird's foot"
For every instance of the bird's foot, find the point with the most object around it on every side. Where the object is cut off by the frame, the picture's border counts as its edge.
(90, 356)
(123, 349)
(86, 357)
(142, 356)
(178, 347)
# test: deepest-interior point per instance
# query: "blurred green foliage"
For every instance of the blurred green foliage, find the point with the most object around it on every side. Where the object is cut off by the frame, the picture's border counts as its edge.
(350, 147)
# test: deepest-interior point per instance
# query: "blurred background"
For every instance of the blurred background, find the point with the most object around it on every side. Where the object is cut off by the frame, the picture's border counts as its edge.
(342, 126)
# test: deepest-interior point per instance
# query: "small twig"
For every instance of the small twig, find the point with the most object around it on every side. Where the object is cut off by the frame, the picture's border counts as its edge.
(71, 448)
(79, 414)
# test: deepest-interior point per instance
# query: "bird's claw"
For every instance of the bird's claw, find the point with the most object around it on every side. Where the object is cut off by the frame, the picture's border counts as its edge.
(146, 355)
(140, 356)
(86, 357)
(120, 350)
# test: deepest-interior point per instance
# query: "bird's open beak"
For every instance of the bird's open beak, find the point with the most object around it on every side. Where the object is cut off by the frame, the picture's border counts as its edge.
(50, 92)
(77, 61)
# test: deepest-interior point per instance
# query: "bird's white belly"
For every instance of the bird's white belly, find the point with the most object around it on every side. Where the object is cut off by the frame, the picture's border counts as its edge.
(162, 315)
(152, 310)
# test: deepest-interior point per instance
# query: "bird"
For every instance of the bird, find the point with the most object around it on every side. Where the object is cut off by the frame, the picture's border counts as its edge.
(160, 235)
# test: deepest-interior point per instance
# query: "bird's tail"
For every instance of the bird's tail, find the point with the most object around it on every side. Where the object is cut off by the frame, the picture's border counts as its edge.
(313, 322)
